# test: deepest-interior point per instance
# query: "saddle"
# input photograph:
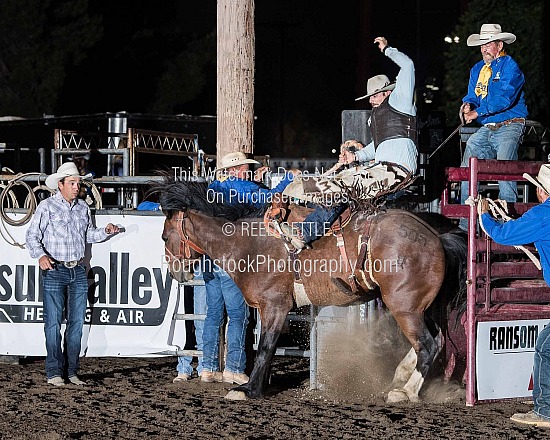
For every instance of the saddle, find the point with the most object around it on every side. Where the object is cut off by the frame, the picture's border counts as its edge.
(279, 212)
(292, 213)
(350, 285)
(367, 189)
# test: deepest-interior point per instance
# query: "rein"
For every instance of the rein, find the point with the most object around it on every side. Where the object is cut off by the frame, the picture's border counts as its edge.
(186, 244)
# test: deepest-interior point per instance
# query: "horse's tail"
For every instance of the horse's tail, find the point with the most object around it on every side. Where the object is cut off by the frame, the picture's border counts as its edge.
(455, 244)
(452, 294)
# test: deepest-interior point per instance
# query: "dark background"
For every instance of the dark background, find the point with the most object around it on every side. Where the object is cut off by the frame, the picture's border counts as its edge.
(312, 61)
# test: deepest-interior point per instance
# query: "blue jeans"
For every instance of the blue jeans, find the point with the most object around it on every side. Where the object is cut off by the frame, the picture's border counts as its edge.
(64, 290)
(500, 144)
(222, 291)
(199, 308)
(541, 374)
(318, 222)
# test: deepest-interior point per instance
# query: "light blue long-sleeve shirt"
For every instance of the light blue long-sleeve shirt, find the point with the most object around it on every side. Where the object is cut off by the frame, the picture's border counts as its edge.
(402, 151)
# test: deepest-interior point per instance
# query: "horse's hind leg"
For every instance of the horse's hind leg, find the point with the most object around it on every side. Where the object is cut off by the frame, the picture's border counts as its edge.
(404, 370)
(426, 348)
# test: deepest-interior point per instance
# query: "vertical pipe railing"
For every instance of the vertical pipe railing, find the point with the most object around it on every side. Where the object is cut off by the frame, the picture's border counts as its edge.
(471, 289)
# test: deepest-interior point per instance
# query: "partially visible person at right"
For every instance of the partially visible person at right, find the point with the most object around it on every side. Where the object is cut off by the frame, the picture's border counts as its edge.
(495, 100)
(531, 227)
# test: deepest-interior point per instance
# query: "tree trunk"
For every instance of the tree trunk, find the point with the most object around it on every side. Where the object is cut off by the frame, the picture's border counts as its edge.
(235, 77)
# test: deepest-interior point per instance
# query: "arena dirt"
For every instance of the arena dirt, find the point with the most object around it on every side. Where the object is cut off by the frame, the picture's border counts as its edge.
(131, 398)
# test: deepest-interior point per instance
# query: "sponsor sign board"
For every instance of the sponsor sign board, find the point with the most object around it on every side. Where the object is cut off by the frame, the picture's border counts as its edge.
(504, 358)
(131, 296)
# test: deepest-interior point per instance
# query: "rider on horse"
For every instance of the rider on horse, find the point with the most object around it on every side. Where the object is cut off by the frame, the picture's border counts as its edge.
(393, 127)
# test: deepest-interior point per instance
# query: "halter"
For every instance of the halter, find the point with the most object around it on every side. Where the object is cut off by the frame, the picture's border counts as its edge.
(185, 244)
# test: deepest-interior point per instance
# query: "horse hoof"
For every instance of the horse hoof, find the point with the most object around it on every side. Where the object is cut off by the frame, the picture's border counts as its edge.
(235, 395)
(396, 396)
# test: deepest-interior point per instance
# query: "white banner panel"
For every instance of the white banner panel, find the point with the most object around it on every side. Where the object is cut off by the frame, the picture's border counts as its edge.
(132, 297)
(504, 358)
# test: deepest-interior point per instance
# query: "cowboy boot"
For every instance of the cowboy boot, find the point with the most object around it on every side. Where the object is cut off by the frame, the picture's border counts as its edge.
(293, 236)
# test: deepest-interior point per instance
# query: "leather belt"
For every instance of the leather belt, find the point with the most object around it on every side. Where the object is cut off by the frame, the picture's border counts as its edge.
(497, 125)
(68, 264)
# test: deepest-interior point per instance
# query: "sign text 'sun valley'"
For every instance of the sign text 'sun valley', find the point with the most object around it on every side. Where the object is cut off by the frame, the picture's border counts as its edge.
(117, 295)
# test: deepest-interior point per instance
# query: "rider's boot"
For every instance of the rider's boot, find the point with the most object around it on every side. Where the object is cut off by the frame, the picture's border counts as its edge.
(293, 235)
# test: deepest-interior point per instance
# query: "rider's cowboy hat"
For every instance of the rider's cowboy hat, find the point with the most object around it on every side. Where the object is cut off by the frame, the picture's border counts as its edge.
(543, 178)
(488, 33)
(68, 169)
(377, 84)
(234, 160)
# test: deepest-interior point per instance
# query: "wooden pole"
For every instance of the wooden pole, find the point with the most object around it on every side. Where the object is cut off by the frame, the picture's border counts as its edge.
(235, 77)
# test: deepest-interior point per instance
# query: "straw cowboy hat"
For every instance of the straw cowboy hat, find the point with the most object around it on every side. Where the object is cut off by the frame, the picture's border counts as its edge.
(543, 178)
(68, 169)
(234, 160)
(377, 84)
(488, 33)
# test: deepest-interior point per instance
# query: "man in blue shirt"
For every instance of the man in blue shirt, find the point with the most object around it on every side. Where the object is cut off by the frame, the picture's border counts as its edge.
(235, 184)
(531, 227)
(495, 99)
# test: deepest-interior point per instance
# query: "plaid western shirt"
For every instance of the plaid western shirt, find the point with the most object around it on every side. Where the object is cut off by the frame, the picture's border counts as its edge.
(61, 229)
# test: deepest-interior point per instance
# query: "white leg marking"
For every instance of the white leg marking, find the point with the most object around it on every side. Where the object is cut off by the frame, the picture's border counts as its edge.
(412, 388)
(404, 369)
(409, 391)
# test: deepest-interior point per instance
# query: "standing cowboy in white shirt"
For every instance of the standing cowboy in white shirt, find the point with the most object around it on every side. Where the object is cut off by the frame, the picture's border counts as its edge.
(57, 237)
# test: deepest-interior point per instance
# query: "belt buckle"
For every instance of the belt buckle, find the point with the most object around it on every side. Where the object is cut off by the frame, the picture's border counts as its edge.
(70, 264)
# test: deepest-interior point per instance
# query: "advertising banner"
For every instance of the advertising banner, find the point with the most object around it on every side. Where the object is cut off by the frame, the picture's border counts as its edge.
(131, 296)
(504, 358)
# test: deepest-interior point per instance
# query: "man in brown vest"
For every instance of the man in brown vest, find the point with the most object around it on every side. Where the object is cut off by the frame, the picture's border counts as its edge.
(393, 128)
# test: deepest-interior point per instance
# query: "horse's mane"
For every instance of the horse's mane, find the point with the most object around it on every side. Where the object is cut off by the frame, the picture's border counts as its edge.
(179, 195)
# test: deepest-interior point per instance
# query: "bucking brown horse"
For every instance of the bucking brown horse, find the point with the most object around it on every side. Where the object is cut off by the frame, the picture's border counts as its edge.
(394, 255)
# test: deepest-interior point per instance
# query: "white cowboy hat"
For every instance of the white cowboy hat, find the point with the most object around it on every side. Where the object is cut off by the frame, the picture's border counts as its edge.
(543, 178)
(68, 169)
(234, 160)
(488, 33)
(377, 84)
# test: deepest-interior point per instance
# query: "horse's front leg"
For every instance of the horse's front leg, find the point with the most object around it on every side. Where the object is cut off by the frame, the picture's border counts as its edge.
(272, 318)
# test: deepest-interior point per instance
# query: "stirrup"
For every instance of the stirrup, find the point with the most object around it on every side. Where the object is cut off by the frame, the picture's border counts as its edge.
(348, 290)
(343, 286)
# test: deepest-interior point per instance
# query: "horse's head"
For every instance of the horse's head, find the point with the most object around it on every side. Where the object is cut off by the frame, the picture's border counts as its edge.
(180, 252)
(178, 199)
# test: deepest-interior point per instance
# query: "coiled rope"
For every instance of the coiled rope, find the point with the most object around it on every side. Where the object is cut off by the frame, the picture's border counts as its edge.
(8, 200)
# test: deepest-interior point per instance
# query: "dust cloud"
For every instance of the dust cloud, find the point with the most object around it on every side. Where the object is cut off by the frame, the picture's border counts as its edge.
(357, 357)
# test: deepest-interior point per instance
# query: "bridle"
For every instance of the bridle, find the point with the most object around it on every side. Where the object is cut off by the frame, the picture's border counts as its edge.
(185, 244)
